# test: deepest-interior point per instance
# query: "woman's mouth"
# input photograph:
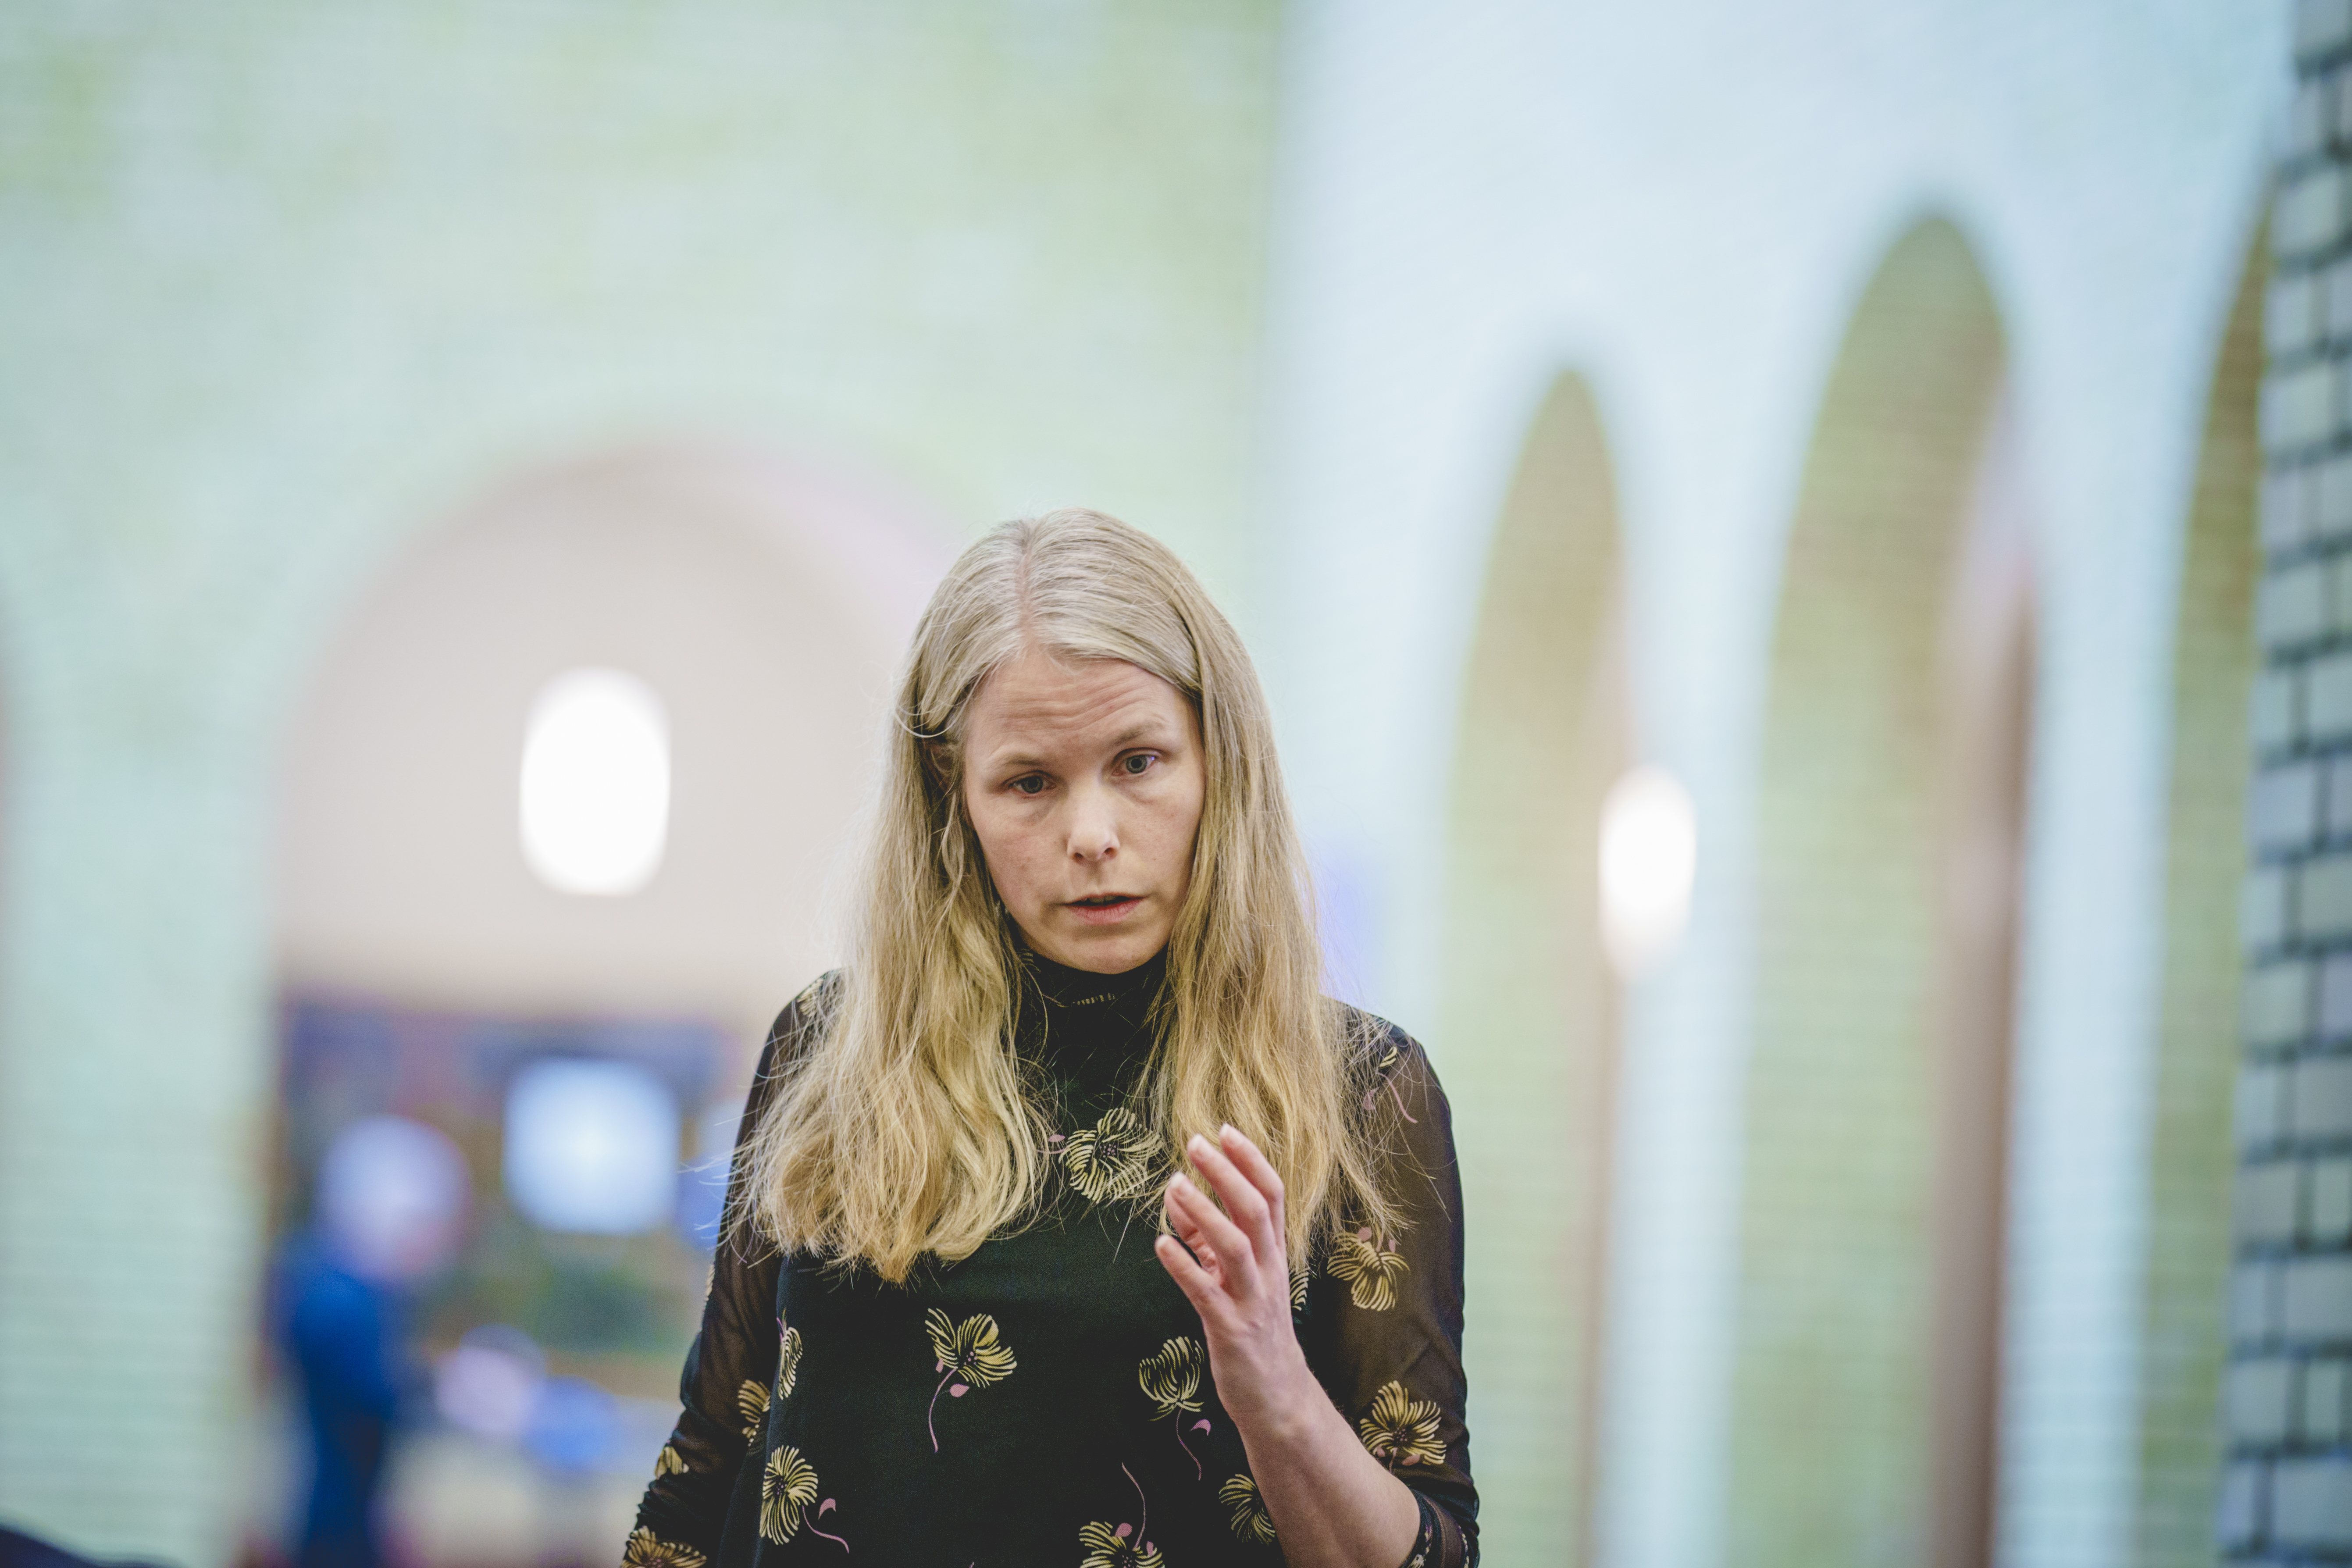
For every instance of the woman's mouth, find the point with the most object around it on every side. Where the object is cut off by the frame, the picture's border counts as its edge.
(1103, 909)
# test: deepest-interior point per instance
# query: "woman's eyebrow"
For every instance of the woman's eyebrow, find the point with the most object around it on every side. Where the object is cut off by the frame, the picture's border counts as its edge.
(1019, 755)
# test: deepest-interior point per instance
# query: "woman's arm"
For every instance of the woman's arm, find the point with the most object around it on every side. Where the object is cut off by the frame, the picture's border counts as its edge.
(726, 1386)
(1333, 1504)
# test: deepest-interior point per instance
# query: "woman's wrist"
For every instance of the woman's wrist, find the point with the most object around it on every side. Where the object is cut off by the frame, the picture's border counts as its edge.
(1289, 1409)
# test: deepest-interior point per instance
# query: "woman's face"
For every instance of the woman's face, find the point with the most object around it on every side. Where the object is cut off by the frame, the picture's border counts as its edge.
(1083, 779)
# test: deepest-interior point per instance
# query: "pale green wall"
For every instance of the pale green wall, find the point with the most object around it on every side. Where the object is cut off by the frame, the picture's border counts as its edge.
(1531, 1008)
(1831, 1443)
(286, 281)
(2191, 1150)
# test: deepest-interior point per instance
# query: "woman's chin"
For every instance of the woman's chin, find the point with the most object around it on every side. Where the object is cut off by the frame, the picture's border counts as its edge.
(1101, 952)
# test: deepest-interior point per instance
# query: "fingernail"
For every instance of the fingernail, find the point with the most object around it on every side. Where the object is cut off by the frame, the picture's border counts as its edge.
(1228, 1131)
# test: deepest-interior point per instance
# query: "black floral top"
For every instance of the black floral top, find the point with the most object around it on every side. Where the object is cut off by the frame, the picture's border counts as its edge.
(1048, 1400)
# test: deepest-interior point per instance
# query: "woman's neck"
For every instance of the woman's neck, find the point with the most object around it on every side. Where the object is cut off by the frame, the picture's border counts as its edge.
(1063, 986)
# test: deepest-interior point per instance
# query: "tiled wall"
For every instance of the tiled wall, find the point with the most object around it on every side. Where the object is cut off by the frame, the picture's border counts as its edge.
(2287, 1493)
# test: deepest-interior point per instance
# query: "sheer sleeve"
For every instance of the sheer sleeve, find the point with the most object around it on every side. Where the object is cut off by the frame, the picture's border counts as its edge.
(731, 1368)
(1384, 1324)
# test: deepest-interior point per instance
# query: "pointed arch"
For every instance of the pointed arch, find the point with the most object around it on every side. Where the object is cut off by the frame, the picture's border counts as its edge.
(2184, 1335)
(763, 602)
(1532, 1011)
(1890, 831)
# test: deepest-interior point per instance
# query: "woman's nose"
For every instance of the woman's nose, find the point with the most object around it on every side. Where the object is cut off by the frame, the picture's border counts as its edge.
(1094, 830)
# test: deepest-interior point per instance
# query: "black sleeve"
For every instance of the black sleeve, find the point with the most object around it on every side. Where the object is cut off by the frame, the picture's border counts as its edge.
(731, 1368)
(1384, 1321)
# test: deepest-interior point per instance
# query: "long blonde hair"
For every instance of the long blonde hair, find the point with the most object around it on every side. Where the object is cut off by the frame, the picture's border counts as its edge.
(905, 1125)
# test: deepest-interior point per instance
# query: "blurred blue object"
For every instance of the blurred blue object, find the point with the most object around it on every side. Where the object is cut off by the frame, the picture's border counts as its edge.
(18, 1550)
(702, 1187)
(343, 1332)
(575, 1427)
(390, 1203)
(592, 1146)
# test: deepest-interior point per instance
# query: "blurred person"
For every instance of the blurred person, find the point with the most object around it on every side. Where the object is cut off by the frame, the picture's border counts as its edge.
(1083, 996)
(18, 1550)
(390, 1208)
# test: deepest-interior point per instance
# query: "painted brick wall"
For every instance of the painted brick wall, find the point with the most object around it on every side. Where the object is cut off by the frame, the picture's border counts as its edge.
(2287, 1488)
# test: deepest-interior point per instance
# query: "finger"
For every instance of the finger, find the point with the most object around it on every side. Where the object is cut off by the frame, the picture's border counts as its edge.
(1242, 1199)
(1260, 1171)
(1181, 1224)
(1243, 1202)
(1187, 1209)
(1198, 1287)
(1236, 1258)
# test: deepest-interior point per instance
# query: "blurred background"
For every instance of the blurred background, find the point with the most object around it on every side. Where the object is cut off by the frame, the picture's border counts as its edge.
(1751, 518)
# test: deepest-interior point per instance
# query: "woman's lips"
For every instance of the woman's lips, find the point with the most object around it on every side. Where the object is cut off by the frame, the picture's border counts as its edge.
(1104, 911)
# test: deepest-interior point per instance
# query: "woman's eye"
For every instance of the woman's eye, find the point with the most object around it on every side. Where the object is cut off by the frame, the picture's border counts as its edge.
(1030, 785)
(1140, 762)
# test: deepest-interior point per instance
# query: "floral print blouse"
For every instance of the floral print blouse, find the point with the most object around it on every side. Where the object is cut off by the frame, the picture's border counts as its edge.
(1048, 1400)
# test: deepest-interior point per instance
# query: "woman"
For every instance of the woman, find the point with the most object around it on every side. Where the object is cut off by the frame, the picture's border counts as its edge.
(977, 1304)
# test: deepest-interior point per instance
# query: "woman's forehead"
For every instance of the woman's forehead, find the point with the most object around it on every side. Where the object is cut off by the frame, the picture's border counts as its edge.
(1041, 698)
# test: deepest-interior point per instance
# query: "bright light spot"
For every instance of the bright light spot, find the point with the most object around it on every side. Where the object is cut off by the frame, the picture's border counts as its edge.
(392, 1197)
(489, 1384)
(591, 1146)
(1649, 853)
(595, 782)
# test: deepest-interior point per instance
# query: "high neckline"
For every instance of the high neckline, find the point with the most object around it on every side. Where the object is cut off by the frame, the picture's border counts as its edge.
(1063, 986)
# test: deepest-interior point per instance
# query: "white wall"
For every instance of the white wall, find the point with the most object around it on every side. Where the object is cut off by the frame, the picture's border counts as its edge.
(768, 608)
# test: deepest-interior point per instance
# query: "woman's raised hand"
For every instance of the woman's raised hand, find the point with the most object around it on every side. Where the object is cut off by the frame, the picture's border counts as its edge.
(1234, 1265)
(1334, 1505)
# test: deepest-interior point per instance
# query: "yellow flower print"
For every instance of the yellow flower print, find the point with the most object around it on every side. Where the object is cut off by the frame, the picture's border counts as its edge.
(1170, 1377)
(669, 1464)
(1400, 1429)
(752, 1405)
(787, 1486)
(646, 1550)
(1121, 1545)
(1381, 1076)
(1110, 1160)
(1109, 1548)
(1251, 1521)
(1369, 1270)
(788, 1359)
(968, 1355)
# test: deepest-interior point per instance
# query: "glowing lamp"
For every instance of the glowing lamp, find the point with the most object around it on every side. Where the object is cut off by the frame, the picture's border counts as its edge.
(595, 783)
(1649, 855)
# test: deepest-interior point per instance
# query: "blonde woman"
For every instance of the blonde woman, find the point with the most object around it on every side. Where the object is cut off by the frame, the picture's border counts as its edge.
(1070, 1222)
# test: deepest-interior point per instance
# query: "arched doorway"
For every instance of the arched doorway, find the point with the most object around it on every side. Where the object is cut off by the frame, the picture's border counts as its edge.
(1891, 814)
(764, 606)
(2214, 658)
(439, 965)
(1532, 1006)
